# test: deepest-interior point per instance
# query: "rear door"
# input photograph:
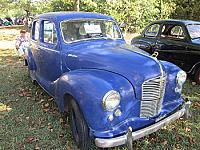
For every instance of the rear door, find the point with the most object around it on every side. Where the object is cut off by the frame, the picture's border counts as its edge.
(172, 44)
(50, 63)
(46, 53)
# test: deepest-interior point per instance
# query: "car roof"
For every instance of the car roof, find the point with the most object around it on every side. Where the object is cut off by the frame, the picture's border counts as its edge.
(73, 15)
(185, 22)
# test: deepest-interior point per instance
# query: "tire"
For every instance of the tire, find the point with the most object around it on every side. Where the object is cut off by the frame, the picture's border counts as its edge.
(197, 76)
(79, 128)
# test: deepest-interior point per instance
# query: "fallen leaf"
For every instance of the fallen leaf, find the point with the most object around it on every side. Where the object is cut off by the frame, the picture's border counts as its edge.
(191, 140)
(37, 147)
(194, 83)
(46, 109)
(42, 100)
(29, 140)
(187, 129)
(46, 105)
(61, 135)
(61, 120)
(165, 142)
(178, 146)
(50, 126)
(21, 94)
(69, 148)
(178, 137)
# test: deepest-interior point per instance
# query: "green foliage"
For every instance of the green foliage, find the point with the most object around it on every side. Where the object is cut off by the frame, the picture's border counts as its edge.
(187, 9)
(135, 13)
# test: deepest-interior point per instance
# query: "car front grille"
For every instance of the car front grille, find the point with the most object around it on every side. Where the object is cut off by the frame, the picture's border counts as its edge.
(152, 96)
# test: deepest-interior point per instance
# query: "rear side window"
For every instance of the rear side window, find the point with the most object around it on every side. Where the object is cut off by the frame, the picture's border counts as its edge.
(172, 32)
(152, 30)
(49, 32)
(177, 32)
(35, 30)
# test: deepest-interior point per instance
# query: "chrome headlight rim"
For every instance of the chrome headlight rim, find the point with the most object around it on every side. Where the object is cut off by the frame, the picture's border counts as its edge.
(181, 77)
(105, 100)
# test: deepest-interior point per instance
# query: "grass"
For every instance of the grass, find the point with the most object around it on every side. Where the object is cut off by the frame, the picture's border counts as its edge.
(29, 118)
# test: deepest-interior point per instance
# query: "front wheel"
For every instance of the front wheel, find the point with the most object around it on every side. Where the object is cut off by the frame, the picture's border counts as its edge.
(80, 131)
(197, 76)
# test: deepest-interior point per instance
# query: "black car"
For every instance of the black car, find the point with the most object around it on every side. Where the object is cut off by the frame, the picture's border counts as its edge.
(1, 22)
(177, 41)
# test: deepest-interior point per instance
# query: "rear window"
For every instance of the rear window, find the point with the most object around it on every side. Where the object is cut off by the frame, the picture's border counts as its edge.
(35, 30)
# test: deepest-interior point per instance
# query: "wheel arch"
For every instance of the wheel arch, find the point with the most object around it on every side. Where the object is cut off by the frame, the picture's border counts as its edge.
(66, 101)
(195, 68)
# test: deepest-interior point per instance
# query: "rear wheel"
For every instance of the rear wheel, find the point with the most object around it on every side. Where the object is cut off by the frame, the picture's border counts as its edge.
(79, 127)
(197, 76)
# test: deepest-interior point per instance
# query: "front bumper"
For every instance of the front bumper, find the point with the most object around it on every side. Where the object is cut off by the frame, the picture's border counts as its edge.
(112, 142)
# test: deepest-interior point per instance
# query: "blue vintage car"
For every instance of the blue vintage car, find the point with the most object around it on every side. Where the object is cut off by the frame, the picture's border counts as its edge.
(115, 93)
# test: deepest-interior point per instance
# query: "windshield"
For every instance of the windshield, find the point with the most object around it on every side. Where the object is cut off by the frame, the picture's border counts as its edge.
(74, 30)
(194, 30)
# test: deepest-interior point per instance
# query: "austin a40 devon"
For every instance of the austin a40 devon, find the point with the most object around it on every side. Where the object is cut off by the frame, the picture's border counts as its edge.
(115, 93)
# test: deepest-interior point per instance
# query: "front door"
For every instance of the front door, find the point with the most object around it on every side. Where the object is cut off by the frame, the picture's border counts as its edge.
(172, 44)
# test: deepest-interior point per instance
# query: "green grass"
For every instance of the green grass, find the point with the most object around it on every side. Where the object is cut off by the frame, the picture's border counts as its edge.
(29, 118)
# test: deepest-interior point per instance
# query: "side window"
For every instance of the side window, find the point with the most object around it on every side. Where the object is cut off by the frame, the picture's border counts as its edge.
(49, 32)
(177, 32)
(152, 30)
(35, 30)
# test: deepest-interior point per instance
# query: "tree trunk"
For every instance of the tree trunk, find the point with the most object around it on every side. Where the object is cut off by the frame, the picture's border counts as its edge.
(78, 5)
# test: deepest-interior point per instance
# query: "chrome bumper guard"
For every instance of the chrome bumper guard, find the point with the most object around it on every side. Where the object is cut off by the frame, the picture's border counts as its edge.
(112, 142)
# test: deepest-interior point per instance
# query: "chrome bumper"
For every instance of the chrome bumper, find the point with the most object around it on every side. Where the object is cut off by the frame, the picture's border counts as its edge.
(112, 142)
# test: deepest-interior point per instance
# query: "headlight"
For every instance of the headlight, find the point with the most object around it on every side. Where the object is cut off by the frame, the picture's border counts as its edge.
(111, 100)
(180, 80)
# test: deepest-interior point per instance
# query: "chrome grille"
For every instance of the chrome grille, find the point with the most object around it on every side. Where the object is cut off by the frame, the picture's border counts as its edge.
(152, 95)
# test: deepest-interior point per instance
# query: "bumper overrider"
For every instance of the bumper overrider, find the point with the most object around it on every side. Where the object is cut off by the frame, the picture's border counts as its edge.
(131, 136)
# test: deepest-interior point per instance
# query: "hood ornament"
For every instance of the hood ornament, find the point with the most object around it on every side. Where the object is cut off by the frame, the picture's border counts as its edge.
(155, 54)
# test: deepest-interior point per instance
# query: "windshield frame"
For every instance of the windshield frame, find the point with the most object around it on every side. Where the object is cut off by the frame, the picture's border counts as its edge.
(190, 33)
(87, 39)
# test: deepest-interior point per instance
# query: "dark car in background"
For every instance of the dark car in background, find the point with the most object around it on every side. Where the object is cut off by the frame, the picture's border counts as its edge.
(1, 22)
(177, 41)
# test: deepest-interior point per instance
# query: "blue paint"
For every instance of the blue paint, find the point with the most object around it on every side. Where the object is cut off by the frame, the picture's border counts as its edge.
(87, 70)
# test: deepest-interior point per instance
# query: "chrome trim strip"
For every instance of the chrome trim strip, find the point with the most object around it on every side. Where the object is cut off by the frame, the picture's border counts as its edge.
(112, 142)
(48, 49)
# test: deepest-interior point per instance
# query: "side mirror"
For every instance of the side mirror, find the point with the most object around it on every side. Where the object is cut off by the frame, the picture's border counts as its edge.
(123, 25)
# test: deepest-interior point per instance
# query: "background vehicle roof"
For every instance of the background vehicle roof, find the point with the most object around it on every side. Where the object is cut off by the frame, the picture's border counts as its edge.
(73, 15)
(185, 22)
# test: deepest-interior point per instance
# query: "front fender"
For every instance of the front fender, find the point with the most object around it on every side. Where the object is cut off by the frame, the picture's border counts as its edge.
(171, 70)
(88, 88)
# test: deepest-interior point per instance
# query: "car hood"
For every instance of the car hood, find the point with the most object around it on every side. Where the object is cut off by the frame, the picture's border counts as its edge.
(132, 63)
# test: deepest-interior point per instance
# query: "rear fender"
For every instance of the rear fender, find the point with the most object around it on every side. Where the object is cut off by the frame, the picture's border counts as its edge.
(31, 62)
